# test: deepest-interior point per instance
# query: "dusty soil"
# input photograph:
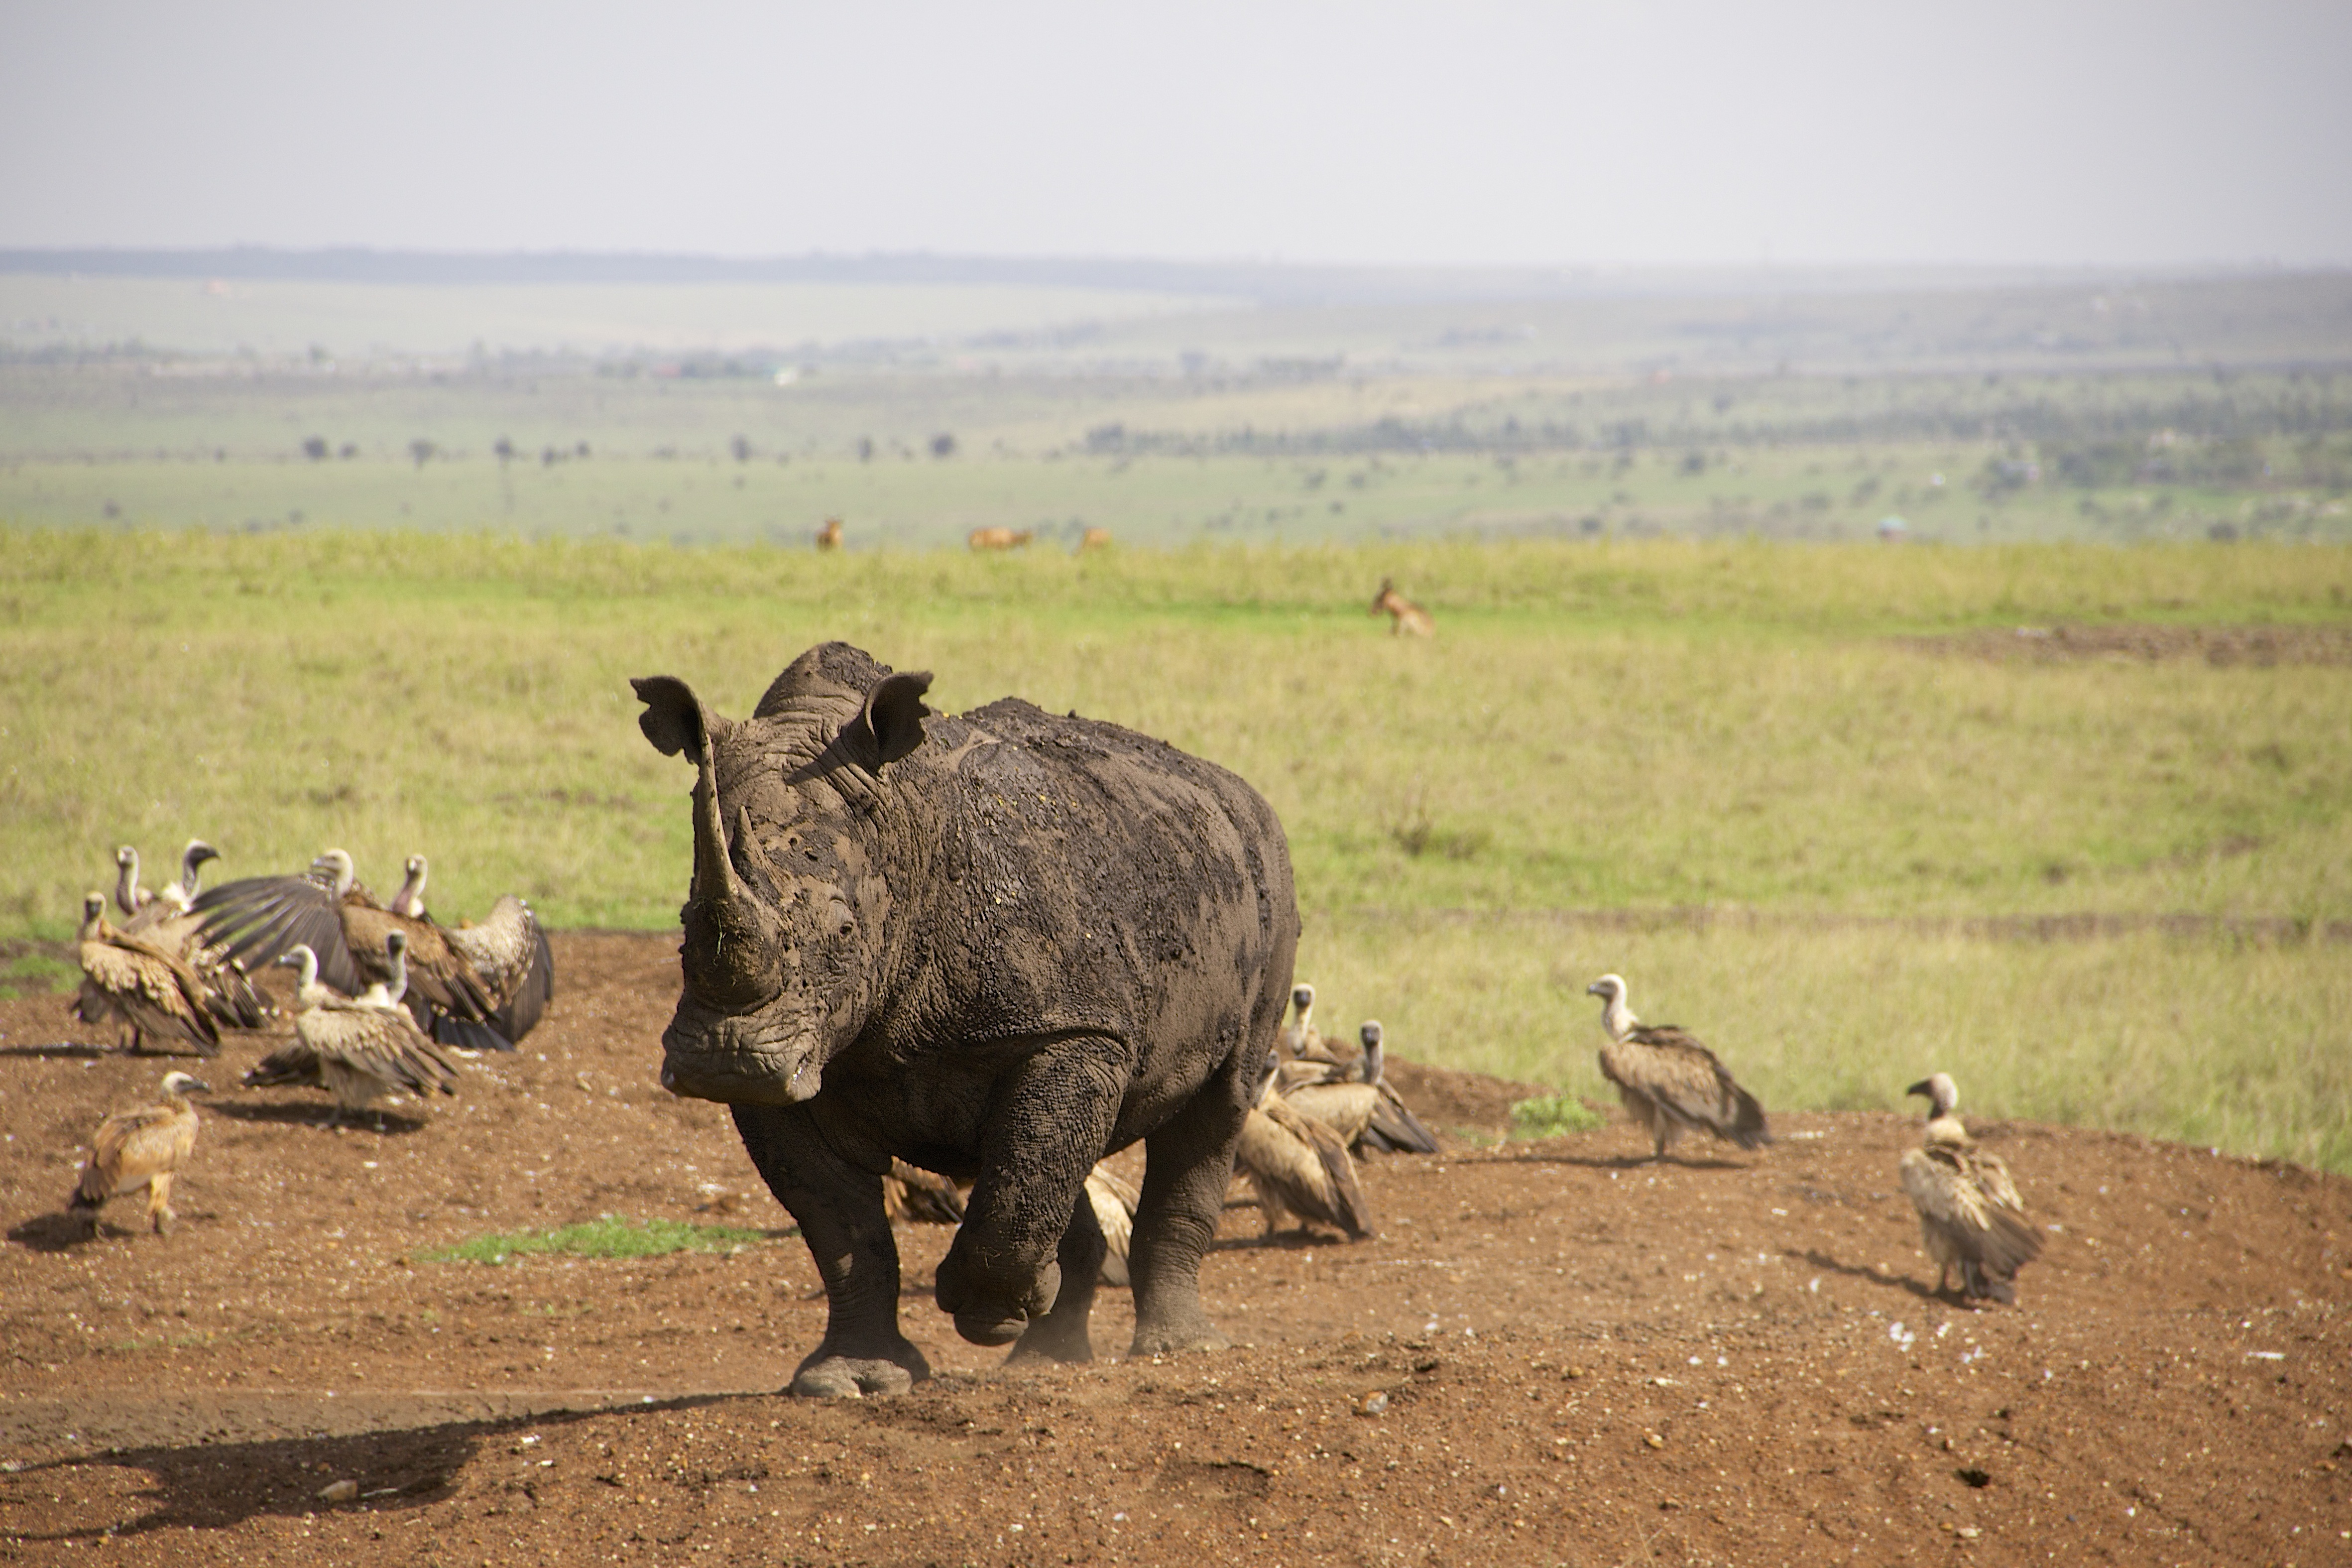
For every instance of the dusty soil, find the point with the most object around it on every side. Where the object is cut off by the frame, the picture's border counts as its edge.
(1583, 1358)
(2259, 645)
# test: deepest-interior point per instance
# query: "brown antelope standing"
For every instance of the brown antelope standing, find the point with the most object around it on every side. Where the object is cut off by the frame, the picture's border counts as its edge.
(829, 536)
(1094, 539)
(1404, 616)
(998, 537)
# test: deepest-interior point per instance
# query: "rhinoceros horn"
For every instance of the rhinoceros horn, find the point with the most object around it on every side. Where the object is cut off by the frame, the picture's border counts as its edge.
(732, 939)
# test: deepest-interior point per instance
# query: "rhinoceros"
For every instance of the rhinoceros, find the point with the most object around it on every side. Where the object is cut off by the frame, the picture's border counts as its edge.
(998, 946)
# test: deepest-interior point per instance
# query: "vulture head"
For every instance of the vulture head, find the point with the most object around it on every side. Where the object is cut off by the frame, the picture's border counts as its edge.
(336, 864)
(93, 915)
(1368, 1070)
(1609, 988)
(1302, 996)
(181, 1082)
(1943, 1094)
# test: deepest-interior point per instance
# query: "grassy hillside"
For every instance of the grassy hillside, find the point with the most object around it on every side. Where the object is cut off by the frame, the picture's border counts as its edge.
(1596, 726)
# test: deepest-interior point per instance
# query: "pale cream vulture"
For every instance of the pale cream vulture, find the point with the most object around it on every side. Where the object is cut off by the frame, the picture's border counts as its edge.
(1669, 1081)
(358, 1051)
(134, 1148)
(154, 994)
(1356, 1100)
(1971, 1217)
(1299, 1168)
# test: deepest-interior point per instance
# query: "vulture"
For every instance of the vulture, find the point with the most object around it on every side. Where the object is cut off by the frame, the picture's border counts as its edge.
(357, 1050)
(164, 921)
(913, 1195)
(474, 986)
(1301, 1039)
(1114, 1198)
(1669, 1081)
(1971, 1217)
(1299, 1168)
(136, 1148)
(129, 979)
(1356, 1100)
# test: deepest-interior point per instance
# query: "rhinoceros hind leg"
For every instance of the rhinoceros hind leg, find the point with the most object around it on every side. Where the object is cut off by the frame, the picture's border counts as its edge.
(1188, 1164)
(1061, 1334)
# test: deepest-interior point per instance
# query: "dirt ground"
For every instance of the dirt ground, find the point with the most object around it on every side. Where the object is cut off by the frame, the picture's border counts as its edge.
(1552, 1353)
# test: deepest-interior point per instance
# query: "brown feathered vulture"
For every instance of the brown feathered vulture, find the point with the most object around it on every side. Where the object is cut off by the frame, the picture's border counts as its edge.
(478, 987)
(357, 1050)
(1357, 1101)
(138, 986)
(1971, 1217)
(134, 1148)
(1669, 1081)
(1299, 1168)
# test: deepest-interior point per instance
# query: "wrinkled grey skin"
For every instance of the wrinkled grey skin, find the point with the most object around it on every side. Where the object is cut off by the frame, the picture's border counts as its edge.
(998, 946)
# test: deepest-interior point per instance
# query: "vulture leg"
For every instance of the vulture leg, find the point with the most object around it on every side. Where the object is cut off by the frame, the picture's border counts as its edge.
(159, 1203)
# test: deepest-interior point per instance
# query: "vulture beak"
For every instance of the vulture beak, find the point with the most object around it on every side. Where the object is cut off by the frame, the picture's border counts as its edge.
(1594, 989)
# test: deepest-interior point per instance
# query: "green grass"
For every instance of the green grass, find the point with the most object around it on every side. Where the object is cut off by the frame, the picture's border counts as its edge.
(605, 1236)
(1553, 1116)
(1604, 727)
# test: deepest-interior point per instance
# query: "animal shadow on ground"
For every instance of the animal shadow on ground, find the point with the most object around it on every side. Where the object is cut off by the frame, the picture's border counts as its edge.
(218, 1485)
(300, 1114)
(68, 1050)
(1281, 1241)
(1823, 1260)
(49, 1233)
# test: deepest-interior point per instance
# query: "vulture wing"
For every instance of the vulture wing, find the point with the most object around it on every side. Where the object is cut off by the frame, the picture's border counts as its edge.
(438, 973)
(379, 1043)
(1990, 1240)
(132, 1145)
(157, 994)
(1345, 1108)
(1395, 1128)
(261, 919)
(1685, 1081)
(921, 1197)
(1303, 1166)
(1114, 1200)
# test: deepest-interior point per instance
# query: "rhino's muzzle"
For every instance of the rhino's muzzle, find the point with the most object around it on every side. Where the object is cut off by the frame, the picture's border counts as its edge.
(736, 1071)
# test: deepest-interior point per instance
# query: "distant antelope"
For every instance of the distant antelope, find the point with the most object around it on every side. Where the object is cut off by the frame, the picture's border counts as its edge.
(998, 537)
(1094, 539)
(1404, 616)
(829, 536)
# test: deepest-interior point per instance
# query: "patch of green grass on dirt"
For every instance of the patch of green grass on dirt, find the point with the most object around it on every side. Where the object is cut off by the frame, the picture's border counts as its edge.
(1553, 1116)
(608, 1235)
(35, 974)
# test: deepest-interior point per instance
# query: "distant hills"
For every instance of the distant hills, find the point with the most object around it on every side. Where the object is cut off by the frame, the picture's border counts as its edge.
(1262, 282)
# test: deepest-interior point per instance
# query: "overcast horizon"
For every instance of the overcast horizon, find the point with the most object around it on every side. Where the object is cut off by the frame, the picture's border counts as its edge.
(1691, 136)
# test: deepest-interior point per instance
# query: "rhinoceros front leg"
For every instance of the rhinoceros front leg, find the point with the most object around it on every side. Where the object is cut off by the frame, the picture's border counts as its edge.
(1188, 1164)
(1048, 1122)
(839, 1210)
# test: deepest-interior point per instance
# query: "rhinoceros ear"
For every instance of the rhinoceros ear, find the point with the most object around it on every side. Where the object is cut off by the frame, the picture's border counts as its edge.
(675, 719)
(894, 715)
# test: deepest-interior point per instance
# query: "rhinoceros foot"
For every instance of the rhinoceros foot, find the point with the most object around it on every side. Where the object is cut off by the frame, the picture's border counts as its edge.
(1193, 1332)
(829, 1376)
(992, 1310)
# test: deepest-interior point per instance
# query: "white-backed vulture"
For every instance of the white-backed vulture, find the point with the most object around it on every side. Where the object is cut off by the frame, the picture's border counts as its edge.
(1669, 1081)
(1301, 1041)
(134, 1148)
(478, 987)
(1114, 1198)
(157, 995)
(1299, 1168)
(1357, 1101)
(1971, 1217)
(911, 1194)
(359, 1051)
(166, 922)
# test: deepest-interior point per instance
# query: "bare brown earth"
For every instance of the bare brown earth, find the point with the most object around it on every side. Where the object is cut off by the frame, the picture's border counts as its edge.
(1575, 1358)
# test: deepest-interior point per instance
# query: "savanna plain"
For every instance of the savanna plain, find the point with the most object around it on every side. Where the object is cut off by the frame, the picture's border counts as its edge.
(2066, 812)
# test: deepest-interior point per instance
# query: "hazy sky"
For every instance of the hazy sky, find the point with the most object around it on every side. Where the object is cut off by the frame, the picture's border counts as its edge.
(1709, 133)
